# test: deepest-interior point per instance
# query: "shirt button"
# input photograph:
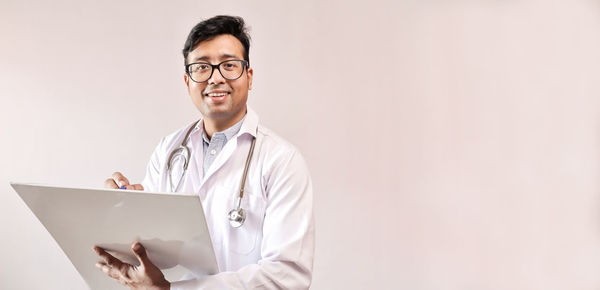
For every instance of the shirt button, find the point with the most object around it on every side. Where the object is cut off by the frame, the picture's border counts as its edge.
(213, 152)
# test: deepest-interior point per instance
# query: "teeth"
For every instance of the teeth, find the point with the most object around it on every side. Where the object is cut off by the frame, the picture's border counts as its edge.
(216, 94)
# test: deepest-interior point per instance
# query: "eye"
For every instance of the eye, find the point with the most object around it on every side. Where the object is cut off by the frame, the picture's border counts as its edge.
(199, 67)
(203, 66)
(232, 65)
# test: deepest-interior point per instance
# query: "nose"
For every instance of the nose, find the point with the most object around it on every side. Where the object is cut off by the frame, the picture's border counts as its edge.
(216, 77)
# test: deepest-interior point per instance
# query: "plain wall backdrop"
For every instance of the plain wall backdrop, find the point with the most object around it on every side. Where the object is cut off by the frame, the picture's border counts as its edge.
(452, 144)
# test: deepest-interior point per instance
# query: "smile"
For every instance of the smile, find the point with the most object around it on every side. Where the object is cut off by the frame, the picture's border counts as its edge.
(216, 94)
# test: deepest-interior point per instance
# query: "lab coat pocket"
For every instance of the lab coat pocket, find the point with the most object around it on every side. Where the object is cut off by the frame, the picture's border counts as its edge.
(245, 239)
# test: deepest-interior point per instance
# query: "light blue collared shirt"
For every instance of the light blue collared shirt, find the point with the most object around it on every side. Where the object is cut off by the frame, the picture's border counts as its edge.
(213, 146)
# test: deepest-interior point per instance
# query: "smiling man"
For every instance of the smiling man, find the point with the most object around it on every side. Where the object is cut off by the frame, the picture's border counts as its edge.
(264, 236)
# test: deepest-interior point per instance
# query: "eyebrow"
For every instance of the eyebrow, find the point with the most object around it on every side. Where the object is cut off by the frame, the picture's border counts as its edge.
(222, 56)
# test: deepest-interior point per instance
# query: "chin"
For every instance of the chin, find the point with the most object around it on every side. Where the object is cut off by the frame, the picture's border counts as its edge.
(218, 114)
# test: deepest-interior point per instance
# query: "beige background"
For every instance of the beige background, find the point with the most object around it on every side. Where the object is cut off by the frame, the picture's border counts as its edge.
(453, 144)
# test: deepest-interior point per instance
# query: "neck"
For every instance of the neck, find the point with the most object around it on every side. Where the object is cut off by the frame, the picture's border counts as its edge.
(214, 125)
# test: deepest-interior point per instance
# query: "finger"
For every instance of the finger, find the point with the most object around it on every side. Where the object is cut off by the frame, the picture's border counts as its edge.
(113, 273)
(110, 183)
(142, 256)
(106, 269)
(108, 258)
(120, 179)
(135, 187)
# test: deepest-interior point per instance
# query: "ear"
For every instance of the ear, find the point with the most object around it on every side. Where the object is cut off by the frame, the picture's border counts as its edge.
(250, 73)
(186, 79)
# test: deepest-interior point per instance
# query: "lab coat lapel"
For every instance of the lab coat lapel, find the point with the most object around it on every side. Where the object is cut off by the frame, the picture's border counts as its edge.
(221, 159)
(249, 126)
(197, 168)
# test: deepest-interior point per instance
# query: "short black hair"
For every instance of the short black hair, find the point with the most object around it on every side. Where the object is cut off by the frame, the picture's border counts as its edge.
(215, 26)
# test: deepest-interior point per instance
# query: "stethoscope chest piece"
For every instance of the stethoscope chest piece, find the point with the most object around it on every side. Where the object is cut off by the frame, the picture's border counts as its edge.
(236, 217)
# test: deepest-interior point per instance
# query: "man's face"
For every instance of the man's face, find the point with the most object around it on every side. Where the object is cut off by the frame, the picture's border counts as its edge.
(208, 96)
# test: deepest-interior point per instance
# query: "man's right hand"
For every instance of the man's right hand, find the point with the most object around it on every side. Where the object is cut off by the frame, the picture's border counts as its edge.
(118, 181)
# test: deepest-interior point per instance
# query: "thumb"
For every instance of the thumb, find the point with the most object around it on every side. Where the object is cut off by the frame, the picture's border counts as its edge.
(141, 255)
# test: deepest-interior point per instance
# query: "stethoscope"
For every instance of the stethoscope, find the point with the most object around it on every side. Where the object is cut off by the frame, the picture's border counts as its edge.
(236, 216)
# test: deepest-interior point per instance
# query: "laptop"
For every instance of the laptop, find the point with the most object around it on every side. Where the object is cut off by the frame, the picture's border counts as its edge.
(170, 226)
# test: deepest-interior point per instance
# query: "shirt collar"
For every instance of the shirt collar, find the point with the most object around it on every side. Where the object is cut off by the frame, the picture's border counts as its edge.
(229, 132)
(249, 125)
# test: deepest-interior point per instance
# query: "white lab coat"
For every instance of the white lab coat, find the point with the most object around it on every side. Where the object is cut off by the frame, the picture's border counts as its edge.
(275, 246)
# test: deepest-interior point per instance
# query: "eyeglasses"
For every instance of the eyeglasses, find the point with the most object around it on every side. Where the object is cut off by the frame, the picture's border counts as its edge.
(229, 69)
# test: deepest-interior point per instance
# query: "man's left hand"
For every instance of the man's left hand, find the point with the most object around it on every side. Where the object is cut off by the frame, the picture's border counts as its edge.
(144, 276)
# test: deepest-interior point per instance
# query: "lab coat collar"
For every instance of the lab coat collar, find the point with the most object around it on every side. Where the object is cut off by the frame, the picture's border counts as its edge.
(250, 125)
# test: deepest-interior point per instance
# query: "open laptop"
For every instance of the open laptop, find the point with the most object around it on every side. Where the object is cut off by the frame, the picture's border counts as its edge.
(170, 226)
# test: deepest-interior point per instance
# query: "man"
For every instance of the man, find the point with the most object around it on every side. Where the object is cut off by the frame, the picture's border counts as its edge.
(274, 246)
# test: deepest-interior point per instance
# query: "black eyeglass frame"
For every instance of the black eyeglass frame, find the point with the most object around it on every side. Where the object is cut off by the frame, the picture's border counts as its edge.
(245, 64)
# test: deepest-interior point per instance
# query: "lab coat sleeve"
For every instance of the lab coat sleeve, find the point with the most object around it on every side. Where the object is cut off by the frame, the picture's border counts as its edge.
(151, 181)
(287, 247)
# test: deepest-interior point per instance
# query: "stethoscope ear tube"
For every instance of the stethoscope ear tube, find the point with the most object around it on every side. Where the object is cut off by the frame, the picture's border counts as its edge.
(183, 151)
(186, 157)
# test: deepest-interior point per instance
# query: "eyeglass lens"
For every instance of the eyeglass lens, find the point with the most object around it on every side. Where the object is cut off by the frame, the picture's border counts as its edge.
(231, 70)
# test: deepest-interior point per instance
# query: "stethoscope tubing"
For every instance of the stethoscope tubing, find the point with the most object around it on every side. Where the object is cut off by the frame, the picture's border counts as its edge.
(245, 174)
(236, 216)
